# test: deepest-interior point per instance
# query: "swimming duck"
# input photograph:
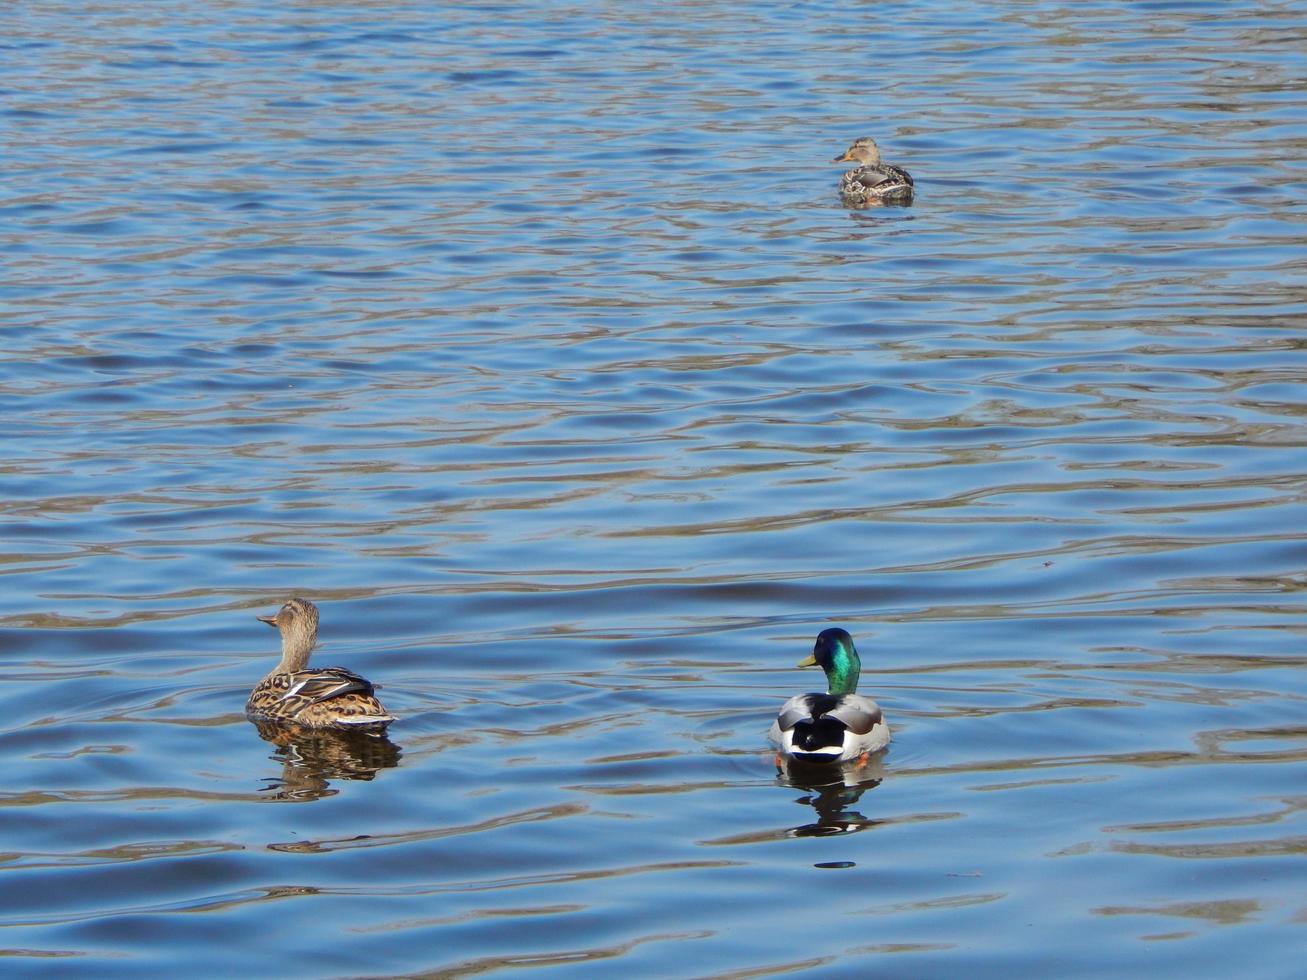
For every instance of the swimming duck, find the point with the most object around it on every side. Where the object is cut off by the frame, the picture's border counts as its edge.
(872, 182)
(837, 726)
(321, 697)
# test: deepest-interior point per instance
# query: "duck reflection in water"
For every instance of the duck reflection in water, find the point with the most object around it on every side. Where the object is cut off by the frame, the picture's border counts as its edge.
(312, 757)
(832, 791)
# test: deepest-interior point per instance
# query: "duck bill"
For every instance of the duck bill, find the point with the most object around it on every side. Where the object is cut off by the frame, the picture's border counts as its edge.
(808, 661)
(270, 620)
(842, 158)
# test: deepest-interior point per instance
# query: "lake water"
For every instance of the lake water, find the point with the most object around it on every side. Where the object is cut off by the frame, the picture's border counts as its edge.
(532, 342)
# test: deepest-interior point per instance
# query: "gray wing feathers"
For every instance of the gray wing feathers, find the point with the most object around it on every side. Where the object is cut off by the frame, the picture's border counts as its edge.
(793, 711)
(858, 715)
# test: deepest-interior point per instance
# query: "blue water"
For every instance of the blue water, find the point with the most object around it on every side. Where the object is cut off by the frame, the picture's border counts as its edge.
(533, 344)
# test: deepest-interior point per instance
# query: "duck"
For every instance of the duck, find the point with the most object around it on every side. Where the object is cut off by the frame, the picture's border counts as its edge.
(871, 182)
(312, 697)
(838, 726)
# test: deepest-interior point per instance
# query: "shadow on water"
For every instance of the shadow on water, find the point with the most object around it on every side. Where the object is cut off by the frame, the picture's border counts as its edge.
(311, 759)
(833, 791)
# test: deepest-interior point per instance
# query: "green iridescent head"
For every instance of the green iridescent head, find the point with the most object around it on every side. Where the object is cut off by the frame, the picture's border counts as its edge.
(835, 654)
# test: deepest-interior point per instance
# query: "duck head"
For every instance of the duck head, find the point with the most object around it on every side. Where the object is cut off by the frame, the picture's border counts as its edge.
(298, 622)
(835, 653)
(865, 153)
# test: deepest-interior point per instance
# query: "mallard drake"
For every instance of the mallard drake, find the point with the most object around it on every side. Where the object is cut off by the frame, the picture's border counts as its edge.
(872, 182)
(839, 725)
(321, 697)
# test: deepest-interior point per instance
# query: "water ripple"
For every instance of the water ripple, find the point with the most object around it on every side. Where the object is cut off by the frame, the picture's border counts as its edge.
(533, 343)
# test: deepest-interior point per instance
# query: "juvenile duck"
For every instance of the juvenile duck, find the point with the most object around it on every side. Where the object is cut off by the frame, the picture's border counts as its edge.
(833, 727)
(872, 182)
(322, 697)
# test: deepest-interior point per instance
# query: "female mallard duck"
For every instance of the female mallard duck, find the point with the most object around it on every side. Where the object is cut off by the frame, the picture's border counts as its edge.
(839, 725)
(872, 182)
(322, 697)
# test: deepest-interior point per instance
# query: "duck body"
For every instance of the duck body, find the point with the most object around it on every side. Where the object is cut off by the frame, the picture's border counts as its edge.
(320, 697)
(872, 182)
(839, 725)
(312, 697)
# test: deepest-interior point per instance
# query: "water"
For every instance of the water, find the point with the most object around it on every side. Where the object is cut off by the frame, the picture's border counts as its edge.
(533, 344)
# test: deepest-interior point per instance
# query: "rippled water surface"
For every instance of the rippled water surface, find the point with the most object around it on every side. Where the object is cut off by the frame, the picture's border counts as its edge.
(533, 343)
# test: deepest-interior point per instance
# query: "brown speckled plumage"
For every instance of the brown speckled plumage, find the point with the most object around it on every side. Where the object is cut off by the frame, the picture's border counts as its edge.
(871, 182)
(322, 697)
